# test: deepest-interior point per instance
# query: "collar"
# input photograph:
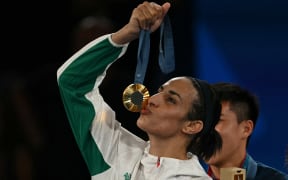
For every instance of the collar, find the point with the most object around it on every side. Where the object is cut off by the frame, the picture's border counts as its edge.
(179, 167)
(210, 173)
(251, 167)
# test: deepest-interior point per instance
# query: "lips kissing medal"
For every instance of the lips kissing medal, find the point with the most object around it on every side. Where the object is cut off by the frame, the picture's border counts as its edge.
(136, 95)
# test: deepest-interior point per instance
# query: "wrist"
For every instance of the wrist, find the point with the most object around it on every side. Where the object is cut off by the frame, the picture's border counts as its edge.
(125, 35)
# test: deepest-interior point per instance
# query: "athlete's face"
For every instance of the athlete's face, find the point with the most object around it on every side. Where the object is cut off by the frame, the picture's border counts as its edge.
(234, 137)
(167, 110)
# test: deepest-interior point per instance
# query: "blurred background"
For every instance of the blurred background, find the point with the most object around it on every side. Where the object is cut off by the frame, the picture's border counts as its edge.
(237, 41)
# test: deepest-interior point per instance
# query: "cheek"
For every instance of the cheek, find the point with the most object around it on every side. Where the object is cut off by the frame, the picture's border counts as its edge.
(170, 114)
(226, 132)
(157, 122)
(167, 123)
(229, 135)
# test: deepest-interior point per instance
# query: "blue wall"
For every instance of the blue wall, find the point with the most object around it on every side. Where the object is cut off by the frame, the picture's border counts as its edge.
(247, 42)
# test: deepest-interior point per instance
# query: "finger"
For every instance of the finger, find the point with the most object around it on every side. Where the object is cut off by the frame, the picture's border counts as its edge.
(165, 7)
(148, 14)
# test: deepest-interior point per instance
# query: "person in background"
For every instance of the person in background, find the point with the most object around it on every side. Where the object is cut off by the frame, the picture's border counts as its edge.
(240, 109)
(179, 120)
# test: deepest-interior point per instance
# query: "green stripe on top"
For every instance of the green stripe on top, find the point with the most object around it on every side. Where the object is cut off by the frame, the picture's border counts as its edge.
(77, 80)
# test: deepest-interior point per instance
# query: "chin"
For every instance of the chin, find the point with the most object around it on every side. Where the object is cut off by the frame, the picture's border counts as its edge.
(141, 123)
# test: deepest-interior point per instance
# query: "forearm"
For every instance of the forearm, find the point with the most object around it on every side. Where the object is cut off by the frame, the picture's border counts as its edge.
(124, 35)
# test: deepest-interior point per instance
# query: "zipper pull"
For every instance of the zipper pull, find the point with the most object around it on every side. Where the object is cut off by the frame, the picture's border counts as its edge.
(158, 162)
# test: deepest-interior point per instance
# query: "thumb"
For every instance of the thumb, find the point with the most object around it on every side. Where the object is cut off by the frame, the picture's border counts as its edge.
(166, 6)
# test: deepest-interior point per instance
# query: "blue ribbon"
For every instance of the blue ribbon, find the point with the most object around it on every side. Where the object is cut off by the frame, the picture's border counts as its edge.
(166, 56)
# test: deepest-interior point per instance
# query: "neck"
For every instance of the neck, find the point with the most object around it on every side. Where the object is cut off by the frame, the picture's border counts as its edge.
(172, 148)
(233, 161)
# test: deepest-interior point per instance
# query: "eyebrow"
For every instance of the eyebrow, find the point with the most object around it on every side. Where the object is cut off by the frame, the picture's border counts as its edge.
(171, 92)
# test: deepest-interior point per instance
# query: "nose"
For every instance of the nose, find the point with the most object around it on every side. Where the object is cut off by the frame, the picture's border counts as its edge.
(154, 100)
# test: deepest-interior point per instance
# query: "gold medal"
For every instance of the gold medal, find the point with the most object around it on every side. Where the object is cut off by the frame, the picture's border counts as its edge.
(135, 97)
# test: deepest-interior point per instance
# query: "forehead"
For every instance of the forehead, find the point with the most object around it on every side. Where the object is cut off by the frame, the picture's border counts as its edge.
(181, 85)
(226, 111)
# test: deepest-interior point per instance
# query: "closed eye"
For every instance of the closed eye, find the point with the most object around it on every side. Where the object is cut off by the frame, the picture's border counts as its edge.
(171, 100)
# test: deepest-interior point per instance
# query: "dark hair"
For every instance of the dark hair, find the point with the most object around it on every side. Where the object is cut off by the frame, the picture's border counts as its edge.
(242, 102)
(206, 108)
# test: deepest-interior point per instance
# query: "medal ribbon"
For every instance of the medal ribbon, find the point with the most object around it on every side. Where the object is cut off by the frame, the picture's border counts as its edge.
(166, 56)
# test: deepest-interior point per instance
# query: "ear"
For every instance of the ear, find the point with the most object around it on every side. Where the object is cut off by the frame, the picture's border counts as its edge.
(248, 126)
(192, 127)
